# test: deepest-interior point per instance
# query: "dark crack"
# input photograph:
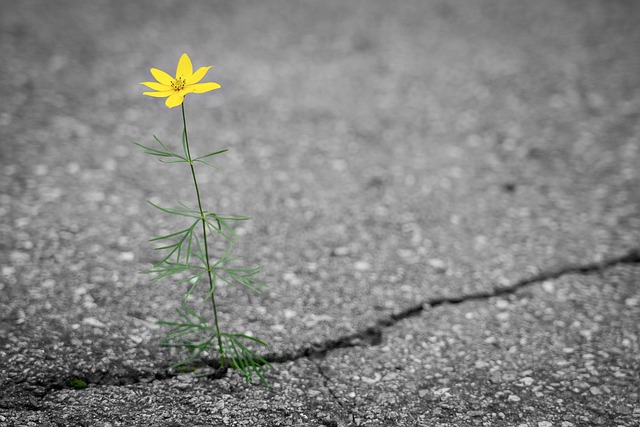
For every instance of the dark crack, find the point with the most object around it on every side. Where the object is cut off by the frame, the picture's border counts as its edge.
(326, 382)
(371, 336)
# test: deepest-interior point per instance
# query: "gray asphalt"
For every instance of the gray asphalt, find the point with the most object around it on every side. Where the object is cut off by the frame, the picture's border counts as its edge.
(444, 196)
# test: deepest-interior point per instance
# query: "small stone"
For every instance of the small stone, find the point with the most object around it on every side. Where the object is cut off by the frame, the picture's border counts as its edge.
(41, 170)
(504, 316)
(631, 302)
(72, 168)
(361, 265)
(548, 286)
(566, 424)
(127, 256)
(48, 283)
(340, 251)
(481, 364)
(545, 424)
(502, 303)
(623, 410)
(595, 391)
(513, 398)
(437, 264)
(390, 376)
(289, 314)
(495, 377)
(292, 279)
(92, 321)
(422, 393)
(527, 381)
(441, 391)
(94, 196)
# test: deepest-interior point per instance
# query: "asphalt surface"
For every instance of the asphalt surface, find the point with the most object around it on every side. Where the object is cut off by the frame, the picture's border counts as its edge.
(444, 196)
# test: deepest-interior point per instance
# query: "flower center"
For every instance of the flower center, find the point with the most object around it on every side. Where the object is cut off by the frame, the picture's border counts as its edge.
(179, 83)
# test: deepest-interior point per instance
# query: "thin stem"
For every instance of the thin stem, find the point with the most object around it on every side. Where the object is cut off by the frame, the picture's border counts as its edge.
(206, 247)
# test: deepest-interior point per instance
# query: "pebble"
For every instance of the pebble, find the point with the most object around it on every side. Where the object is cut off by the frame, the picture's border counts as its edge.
(377, 377)
(481, 364)
(545, 424)
(548, 286)
(72, 168)
(623, 410)
(527, 381)
(92, 321)
(341, 251)
(289, 314)
(41, 170)
(566, 424)
(513, 398)
(595, 391)
(495, 377)
(437, 264)
(502, 316)
(361, 265)
(292, 279)
(127, 256)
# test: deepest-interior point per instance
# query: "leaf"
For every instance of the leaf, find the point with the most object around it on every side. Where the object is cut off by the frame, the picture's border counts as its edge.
(211, 154)
(153, 151)
(180, 212)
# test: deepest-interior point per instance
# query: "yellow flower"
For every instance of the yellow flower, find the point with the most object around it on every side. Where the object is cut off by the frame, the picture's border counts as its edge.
(186, 81)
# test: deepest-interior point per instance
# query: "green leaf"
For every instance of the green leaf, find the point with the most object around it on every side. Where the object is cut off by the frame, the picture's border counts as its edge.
(211, 154)
(155, 239)
(168, 149)
(254, 339)
(153, 151)
(180, 212)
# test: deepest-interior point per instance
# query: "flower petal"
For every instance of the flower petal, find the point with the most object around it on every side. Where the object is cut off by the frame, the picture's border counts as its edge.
(161, 76)
(174, 100)
(185, 69)
(162, 94)
(203, 87)
(198, 75)
(156, 86)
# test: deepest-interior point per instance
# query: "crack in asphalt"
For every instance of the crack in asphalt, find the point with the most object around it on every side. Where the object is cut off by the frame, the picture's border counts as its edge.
(371, 336)
(326, 380)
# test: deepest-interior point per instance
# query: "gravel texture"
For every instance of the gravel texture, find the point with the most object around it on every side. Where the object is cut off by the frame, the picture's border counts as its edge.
(390, 156)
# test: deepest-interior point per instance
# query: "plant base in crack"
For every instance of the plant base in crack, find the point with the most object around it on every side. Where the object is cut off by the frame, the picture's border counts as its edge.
(186, 255)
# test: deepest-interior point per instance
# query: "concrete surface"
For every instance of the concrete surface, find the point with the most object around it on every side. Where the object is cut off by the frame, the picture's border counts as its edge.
(444, 194)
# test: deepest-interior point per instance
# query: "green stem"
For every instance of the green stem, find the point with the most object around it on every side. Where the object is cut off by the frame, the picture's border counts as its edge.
(206, 247)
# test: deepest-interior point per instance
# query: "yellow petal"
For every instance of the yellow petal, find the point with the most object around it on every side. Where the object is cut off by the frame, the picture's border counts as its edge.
(174, 100)
(162, 94)
(161, 76)
(185, 69)
(156, 86)
(202, 87)
(198, 75)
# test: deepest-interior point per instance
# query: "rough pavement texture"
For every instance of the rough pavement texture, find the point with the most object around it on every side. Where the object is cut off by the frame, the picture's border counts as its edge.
(445, 195)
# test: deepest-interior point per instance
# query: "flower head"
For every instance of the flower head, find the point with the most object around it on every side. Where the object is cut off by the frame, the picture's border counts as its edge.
(185, 81)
